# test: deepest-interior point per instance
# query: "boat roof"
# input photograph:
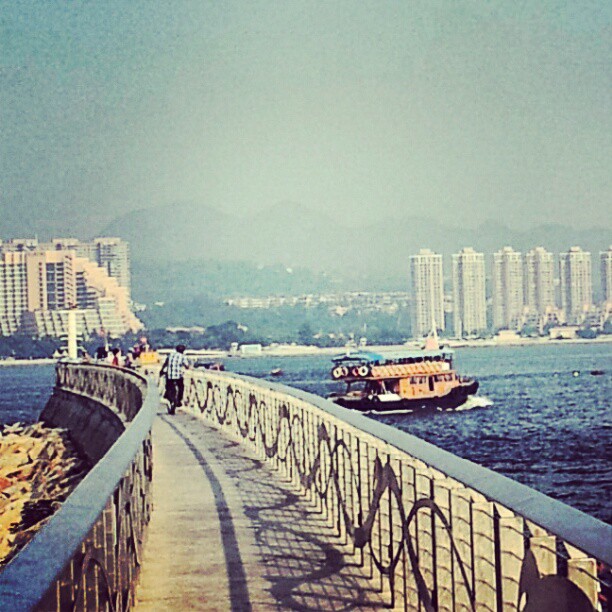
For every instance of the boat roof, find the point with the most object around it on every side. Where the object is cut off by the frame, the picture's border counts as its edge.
(372, 357)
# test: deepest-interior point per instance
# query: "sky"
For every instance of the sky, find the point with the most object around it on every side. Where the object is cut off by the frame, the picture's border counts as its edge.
(465, 111)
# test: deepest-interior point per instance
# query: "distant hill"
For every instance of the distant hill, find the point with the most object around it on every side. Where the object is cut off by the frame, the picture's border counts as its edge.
(289, 234)
(170, 281)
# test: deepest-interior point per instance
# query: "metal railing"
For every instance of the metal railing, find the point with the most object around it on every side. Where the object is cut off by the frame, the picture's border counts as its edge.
(88, 556)
(435, 531)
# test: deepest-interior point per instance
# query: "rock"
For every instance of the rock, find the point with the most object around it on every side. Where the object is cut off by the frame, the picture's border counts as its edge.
(39, 467)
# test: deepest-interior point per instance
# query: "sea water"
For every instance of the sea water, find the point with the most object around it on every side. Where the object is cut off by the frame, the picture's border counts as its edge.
(540, 416)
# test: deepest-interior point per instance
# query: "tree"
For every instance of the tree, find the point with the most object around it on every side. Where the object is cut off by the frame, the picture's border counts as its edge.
(305, 333)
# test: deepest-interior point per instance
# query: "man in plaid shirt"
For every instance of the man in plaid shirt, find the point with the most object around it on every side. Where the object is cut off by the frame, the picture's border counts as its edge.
(174, 369)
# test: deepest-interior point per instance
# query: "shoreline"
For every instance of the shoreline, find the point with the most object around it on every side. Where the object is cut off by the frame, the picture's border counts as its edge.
(20, 362)
(286, 350)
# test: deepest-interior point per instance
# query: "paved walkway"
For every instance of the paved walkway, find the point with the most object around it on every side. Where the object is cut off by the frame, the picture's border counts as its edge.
(228, 533)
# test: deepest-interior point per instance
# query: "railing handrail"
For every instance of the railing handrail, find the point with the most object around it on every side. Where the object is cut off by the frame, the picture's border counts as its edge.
(26, 579)
(579, 529)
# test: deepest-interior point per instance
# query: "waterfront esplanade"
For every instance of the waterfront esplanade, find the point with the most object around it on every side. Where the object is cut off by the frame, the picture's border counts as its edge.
(257, 496)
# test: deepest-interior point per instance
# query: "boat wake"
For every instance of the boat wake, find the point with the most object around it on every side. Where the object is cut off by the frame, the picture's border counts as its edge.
(475, 401)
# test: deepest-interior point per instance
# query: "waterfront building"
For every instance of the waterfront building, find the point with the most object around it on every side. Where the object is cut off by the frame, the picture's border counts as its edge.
(13, 291)
(576, 284)
(428, 292)
(110, 253)
(507, 289)
(539, 276)
(38, 287)
(470, 310)
(605, 258)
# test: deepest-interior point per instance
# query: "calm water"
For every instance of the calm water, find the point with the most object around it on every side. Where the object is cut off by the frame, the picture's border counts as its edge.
(545, 427)
(24, 391)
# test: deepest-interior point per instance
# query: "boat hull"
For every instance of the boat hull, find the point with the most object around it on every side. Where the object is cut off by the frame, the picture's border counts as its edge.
(455, 398)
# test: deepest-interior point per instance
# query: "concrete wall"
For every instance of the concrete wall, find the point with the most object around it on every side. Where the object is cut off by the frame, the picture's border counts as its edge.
(93, 427)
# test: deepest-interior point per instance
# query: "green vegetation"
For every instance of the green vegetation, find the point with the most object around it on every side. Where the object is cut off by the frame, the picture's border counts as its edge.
(315, 325)
(188, 280)
(24, 347)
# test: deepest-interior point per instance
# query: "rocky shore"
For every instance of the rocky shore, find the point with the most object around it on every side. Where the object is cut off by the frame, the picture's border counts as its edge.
(39, 467)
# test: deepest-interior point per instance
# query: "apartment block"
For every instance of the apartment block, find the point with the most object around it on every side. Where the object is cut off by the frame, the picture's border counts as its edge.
(428, 292)
(38, 286)
(470, 309)
(576, 284)
(539, 275)
(507, 289)
(110, 253)
(605, 259)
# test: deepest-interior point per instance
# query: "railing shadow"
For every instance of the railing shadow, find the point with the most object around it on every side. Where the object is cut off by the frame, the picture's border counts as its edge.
(307, 562)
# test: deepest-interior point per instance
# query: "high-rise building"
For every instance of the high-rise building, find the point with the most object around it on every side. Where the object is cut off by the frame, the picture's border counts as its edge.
(470, 308)
(507, 289)
(111, 254)
(539, 278)
(13, 291)
(38, 285)
(605, 258)
(576, 284)
(428, 292)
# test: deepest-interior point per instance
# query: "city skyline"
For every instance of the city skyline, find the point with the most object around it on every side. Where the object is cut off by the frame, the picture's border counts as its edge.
(41, 281)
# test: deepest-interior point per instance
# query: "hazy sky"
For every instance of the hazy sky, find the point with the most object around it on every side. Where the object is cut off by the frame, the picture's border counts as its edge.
(473, 110)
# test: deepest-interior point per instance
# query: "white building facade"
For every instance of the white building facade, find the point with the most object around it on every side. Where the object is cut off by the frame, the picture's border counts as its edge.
(428, 292)
(507, 289)
(469, 296)
(576, 284)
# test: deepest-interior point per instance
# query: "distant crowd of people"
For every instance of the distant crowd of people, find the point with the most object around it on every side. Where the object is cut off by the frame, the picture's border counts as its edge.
(115, 357)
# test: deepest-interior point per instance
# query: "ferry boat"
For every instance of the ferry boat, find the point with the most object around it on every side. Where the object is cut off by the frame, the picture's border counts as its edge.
(400, 381)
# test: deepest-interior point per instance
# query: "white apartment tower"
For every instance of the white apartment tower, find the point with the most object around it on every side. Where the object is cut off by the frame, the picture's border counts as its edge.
(507, 288)
(576, 284)
(470, 308)
(428, 292)
(605, 258)
(539, 281)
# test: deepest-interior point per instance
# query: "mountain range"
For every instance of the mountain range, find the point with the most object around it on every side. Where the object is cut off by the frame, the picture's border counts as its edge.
(233, 254)
(292, 235)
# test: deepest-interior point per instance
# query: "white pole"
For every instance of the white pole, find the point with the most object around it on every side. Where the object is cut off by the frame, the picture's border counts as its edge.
(72, 335)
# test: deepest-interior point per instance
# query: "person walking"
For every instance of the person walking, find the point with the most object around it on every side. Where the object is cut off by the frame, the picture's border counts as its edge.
(174, 369)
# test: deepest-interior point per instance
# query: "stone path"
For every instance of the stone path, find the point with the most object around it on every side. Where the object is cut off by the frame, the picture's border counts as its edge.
(228, 533)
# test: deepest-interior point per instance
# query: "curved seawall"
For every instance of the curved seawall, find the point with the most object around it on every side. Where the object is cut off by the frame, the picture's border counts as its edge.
(93, 427)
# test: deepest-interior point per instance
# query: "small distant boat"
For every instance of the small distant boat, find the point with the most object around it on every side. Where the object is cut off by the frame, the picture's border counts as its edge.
(597, 372)
(276, 372)
(216, 366)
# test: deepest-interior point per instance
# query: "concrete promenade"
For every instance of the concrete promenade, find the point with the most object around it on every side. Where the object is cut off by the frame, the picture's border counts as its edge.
(229, 533)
